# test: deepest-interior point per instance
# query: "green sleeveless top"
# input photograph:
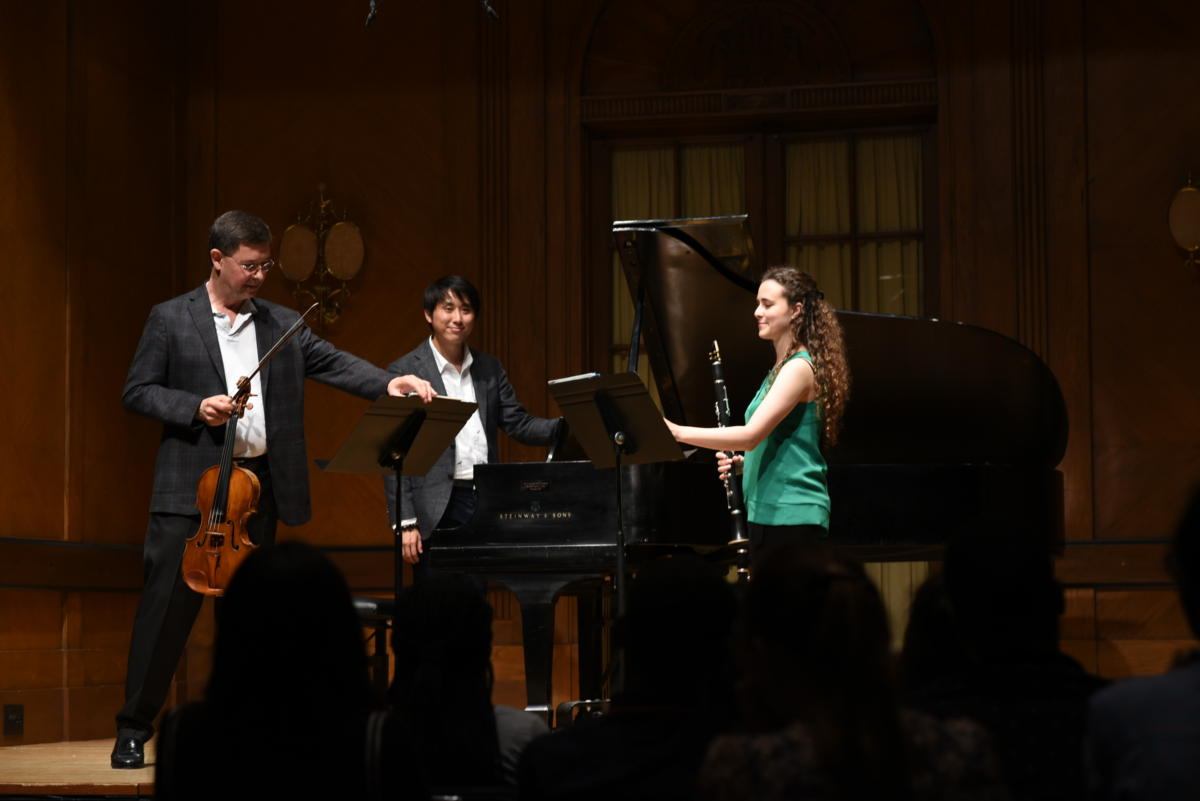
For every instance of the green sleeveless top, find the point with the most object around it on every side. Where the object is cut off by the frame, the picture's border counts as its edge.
(783, 479)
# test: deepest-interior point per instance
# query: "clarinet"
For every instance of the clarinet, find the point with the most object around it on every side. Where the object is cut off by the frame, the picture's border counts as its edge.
(739, 540)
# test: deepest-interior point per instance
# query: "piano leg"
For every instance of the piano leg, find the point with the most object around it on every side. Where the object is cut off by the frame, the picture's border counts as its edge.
(537, 594)
(590, 600)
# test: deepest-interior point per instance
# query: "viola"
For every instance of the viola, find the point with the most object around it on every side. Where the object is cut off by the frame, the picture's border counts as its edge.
(227, 496)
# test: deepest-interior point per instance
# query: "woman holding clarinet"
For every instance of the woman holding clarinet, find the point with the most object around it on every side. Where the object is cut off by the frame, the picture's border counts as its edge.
(796, 413)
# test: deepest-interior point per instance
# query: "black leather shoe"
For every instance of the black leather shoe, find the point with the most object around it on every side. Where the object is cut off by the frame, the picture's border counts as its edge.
(129, 752)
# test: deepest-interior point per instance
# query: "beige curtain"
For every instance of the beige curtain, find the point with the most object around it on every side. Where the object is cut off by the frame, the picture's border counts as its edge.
(818, 202)
(713, 180)
(897, 583)
(889, 273)
(888, 191)
(889, 199)
(643, 188)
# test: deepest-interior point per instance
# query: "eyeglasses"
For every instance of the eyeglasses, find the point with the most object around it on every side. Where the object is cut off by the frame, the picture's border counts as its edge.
(253, 268)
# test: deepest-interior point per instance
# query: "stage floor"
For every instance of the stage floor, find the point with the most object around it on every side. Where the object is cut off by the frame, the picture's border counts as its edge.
(71, 769)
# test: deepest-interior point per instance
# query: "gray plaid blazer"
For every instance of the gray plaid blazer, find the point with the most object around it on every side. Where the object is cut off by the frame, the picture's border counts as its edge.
(178, 363)
(426, 497)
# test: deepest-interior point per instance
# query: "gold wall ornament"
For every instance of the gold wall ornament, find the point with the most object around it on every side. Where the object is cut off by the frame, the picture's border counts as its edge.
(321, 252)
(1183, 217)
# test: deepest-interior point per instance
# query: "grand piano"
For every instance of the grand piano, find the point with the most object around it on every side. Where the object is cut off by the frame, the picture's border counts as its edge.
(949, 428)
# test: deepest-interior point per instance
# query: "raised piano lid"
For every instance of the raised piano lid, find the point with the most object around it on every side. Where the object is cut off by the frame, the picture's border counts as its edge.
(923, 391)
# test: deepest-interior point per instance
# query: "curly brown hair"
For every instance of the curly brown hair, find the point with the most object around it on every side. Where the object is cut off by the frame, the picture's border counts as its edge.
(818, 329)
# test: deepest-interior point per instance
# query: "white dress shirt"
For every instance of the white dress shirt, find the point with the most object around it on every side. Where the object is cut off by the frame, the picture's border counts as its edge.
(239, 355)
(470, 444)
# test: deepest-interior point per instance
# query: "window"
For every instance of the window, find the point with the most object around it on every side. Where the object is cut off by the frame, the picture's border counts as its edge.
(849, 208)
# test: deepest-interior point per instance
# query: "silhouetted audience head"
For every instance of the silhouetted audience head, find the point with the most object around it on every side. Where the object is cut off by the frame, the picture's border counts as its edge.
(817, 642)
(814, 621)
(678, 694)
(1142, 732)
(285, 708)
(675, 634)
(1185, 561)
(932, 648)
(1001, 608)
(1003, 593)
(289, 642)
(442, 690)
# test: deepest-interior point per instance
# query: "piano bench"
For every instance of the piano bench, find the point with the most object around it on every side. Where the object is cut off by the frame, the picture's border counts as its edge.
(376, 614)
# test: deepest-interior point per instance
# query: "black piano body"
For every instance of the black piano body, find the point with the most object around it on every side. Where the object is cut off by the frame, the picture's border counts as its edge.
(541, 527)
(949, 427)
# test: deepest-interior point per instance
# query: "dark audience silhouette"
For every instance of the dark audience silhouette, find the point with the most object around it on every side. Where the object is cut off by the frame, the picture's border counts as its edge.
(1143, 737)
(992, 709)
(818, 698)
(995, 620)
(678, 694)
(285, 708)
(931, 649)
(443, 724)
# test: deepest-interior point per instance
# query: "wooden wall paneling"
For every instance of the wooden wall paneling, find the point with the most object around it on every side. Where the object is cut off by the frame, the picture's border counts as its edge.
(1077, 627)
(31, 661)
(1145, 367)
(1085, 652)
(506, 616)
(1091, 563)
(508, 656)
(91, 711)
(1119, 659)
(985, 282)
(95, 647)
(96, 636)
(121, 209)
(30, 619)
(1068, 350)
(1140, 614)
(1029, 172)
(526, 336)
(196, 665)
(43, 715)
(975, 122)
(494, 190)
(196, 153)
(508, 663)
(31, 670)
(1078, 621)
(34, 47)
(30, 628)
(568, 28)
(48, 563)
(368, 569)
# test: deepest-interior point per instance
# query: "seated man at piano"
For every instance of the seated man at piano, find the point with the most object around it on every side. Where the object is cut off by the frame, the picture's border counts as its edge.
(445, 496)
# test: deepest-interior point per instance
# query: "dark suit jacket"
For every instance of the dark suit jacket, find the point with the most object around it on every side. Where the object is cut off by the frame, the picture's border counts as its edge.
(425, 497)
(178, 364)
(1143, 737)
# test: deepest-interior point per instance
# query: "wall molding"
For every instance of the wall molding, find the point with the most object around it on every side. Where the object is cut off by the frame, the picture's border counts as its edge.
(916, 96)
(1029, 172)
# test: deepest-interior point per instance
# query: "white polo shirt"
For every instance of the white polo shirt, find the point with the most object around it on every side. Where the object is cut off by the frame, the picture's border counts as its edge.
(470, 444)
(239, 356)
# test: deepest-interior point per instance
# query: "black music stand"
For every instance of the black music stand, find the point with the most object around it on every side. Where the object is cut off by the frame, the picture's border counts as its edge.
(404, 436)
(616, 423)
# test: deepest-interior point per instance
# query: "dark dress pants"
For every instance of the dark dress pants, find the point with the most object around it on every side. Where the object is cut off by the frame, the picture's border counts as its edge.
(459, 509)
(167, 610)
(764, 538)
